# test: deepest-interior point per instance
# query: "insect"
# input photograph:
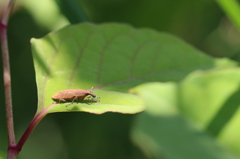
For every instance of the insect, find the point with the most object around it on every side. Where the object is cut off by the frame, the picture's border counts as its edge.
(73, 95)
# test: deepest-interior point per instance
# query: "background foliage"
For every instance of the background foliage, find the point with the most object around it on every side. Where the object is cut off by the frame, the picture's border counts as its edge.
(201, 23)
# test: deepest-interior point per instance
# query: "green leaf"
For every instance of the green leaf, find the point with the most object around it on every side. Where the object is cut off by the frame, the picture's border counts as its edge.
(112, 58)
(45, 13)
(209, 90)
(162, 132)
(211, 100)
(232, 9)
(72, 10)
(173, 137)
(164, 94)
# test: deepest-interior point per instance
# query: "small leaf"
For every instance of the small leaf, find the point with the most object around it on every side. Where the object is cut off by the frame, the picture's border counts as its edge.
(109, 57)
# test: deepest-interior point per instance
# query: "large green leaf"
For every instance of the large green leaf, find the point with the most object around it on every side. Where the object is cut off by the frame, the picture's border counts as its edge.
(112, 58)
(162, 132)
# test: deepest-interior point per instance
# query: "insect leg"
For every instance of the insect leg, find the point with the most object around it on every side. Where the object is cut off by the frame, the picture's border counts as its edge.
(96, 99)
(72, 101)
(93, 99)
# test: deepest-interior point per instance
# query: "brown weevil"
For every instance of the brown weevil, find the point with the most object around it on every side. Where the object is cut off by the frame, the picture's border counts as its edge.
(73, 95)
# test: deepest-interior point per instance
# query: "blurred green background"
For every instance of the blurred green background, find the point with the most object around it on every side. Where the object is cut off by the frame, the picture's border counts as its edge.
(201, 23)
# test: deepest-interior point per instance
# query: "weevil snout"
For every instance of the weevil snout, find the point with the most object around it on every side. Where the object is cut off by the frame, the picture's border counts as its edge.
(93, 95)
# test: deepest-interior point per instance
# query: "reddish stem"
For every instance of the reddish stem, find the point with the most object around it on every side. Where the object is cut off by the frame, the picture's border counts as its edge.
(15, 149)
(37, 118)
(7, 85)
(7, 79)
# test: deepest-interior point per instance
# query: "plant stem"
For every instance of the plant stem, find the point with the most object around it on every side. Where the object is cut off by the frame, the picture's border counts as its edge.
(37, 118)
(7, 85)
(15, 149)
(7, 79)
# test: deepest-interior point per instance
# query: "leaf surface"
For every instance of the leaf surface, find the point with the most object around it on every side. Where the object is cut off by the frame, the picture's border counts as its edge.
(112, 58)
